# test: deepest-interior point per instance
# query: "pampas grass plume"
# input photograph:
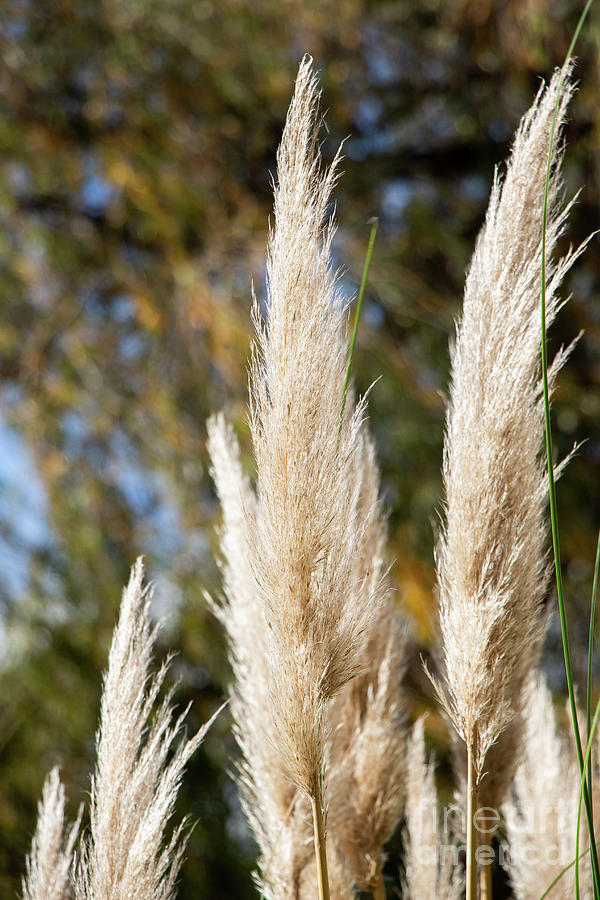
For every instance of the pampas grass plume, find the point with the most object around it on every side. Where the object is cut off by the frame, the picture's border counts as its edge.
(307, 605)
(48, 865)
(542, 811)
(308, 533)
(428, 846)
(492, 557)
(138, 770)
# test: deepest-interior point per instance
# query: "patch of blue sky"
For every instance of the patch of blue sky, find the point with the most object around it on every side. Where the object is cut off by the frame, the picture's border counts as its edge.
(23, 499)
(148, 495)
(395, 195)
(122, 308)
(474, 187)
(24, 527)
(76, 431)
(373, 315)
(381, 141)
(368, 113)
(131, 346)
(97, 192)
(163, 531)
(16, 29)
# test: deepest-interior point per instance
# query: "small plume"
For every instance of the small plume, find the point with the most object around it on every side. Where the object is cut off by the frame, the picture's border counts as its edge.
(430, 871)
(542, 814)
(48, 865)
(138, 770)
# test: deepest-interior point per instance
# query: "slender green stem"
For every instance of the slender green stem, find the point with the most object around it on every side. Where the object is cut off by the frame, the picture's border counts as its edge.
(562, 872)
(588, 703)
(374, 223)
(591, 638)
(582, 789)
(577, 31)
(471, 866)
(551, 485)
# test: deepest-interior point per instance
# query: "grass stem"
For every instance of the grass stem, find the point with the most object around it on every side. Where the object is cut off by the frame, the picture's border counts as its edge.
(588, 754)
(379, 888)
(485, 871)
(320, 848)
(588, 704)
(471, 862)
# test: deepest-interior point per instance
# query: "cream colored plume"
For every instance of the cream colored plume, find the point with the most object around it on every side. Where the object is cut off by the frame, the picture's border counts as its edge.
(366, 754)
(492, 553)
(429, 850)
(49, 863)
(541, 817)
(138, 770)
(306, 546)
(278, 814)
(307, 604)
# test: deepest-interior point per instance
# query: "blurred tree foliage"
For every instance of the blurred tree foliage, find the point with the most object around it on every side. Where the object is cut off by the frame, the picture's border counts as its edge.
(137, 142)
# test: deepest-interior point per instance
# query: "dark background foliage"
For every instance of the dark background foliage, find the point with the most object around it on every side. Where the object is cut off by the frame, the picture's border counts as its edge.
(137, 144)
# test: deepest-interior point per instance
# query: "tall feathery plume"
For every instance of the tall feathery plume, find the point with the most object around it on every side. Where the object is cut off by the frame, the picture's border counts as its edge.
(309, 534)
(304, 538)
(541, 815)
(278, 813)
(48, 865)
(429, 852)
(138, 770)
(366, 754)
(365, 748)
(491, 561)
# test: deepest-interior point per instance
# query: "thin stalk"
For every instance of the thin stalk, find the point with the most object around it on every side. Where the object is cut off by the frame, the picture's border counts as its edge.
(379, 888)
(551, 485)
(588, 704)
(320, 848)
(471, 868)
(485, 871)
(374, 223)
(588, 754)
(562, 872)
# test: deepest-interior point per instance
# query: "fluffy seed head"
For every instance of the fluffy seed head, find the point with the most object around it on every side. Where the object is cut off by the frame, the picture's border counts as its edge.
(428, 848)
(492, 559)
(49, 863)
(542, 813)
(308, 532)
(138, 770)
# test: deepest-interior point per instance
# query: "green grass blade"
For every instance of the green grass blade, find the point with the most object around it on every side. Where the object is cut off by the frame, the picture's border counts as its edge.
(577, 31)
(374, 223)
(562, 872)
(588, 703)
(582, 790)
(551, 484)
